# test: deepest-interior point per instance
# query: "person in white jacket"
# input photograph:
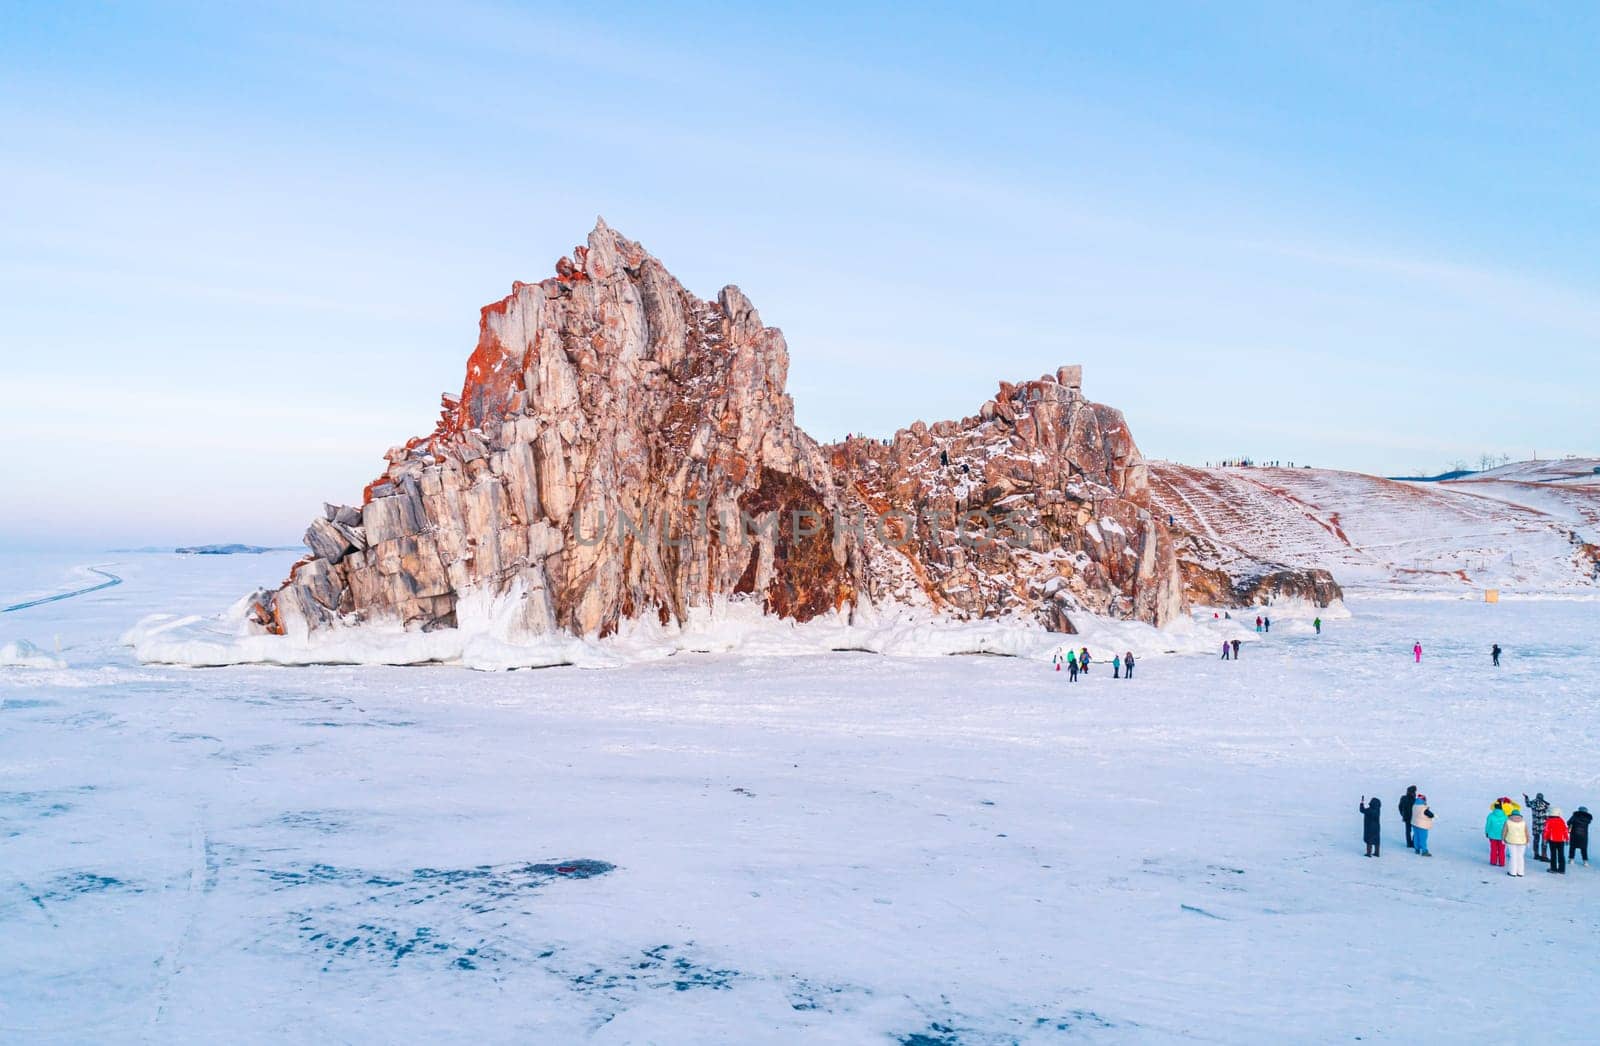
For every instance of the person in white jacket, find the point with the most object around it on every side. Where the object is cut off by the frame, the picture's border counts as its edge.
(1516, 843)
(1421, 824)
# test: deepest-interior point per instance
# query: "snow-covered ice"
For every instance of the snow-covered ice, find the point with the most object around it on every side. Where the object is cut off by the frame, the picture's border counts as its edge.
(842, 847)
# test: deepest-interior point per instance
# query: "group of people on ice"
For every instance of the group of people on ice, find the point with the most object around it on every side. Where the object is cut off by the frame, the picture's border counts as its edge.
(1077, 663)
(1230, 647)
(1555, 838)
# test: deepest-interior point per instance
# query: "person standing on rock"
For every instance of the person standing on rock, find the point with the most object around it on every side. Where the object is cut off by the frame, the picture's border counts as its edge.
(1578, 825)
(1236, 650)
(1494, 655)
(1421, 825)
(1127, 673)
(1539, 807)
(1556, 834)
(1416, 651)
(1516, 843)
(1371, 830)
(1495, 829)
(1408, 801)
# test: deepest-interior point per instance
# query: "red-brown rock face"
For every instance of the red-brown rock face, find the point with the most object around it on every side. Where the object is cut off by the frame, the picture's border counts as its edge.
(1037, 505)
(621, 448)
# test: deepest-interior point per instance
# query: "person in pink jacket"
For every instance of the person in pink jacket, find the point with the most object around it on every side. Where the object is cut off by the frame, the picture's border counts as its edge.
(1416, 651)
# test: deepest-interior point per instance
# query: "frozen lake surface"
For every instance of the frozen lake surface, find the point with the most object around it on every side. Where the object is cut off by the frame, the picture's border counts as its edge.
(841, 848)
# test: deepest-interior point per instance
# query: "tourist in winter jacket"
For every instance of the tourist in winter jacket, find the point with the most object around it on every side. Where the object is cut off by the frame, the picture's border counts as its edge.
(1421, 823)
(1495, 829)
(1127, 665)
(1072, 666)
(1116, 666)
(1083, 660)
(1407, 801)
(1416, 651)
(1578, 825)
(1494, 654)
(1516, 843)
(1556, 834)
(1540, 809)
(1371, 831)
(1226, 646)
(1236, 650)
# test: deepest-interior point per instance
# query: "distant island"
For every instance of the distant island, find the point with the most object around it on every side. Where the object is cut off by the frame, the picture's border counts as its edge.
(212, 550)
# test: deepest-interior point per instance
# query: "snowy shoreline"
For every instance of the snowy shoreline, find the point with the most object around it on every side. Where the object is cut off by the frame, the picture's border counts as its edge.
(730, 627)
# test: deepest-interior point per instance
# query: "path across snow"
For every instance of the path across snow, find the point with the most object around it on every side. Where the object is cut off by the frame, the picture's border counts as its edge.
(111, 580)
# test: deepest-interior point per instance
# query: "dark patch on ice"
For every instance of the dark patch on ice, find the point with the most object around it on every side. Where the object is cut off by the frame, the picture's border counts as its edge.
(1202, 911)
(372, 942)
(803, 995)
(88, 882)
(744, 792)
(935, 1034)
(20, 809)
(949, 1028)
(408, 916)
(27, 702)
(657, 969)
(1067, 1021)
(69, 887)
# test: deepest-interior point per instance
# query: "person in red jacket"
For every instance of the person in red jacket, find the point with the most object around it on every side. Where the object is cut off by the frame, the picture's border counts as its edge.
(1556, 834)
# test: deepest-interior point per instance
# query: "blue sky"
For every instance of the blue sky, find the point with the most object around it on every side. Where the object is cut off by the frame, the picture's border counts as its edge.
(243, 250)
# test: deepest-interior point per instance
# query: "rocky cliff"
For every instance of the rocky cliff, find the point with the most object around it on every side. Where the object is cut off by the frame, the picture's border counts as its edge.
(622, 448)
(1038, 504)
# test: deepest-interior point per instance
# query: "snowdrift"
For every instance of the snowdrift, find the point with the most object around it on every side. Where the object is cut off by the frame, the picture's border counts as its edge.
(23, 654)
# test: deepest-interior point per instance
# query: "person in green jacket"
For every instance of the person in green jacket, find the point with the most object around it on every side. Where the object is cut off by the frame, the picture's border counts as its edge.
(1317, 624)
(1495, 829)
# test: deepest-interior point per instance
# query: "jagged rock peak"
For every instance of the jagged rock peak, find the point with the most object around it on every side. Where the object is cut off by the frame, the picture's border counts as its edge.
(622, 448)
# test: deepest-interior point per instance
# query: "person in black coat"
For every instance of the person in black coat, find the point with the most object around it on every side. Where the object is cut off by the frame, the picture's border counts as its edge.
(1407, 801)
(1578, 826)
(1371, 829)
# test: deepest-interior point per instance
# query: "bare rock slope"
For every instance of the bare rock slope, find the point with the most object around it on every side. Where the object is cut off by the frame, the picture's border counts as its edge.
(622, 448)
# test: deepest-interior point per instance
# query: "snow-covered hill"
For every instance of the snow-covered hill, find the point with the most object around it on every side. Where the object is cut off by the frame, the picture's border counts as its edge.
(1527, 528)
